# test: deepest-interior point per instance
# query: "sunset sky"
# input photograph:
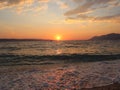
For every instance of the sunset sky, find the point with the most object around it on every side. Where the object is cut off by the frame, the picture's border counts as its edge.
(65, 19)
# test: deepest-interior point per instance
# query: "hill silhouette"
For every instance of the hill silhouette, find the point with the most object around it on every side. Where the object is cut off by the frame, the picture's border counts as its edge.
(111, 36)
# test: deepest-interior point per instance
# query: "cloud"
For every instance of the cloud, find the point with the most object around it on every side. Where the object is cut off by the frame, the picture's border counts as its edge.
(10, 3)
(23, 5)
(86, 10)
(61, 4)
(88, 5)
(112, 18)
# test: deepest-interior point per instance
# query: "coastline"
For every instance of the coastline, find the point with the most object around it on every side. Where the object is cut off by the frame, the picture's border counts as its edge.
(115, 86)
(72, 76)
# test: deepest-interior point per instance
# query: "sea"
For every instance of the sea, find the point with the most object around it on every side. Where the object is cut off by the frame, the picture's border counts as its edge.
(48, 52)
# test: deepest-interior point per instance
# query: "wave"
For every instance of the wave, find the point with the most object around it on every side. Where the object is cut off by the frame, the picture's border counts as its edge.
(10, 59)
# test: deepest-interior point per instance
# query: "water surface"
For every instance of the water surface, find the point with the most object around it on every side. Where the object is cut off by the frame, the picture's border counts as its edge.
(48, 52)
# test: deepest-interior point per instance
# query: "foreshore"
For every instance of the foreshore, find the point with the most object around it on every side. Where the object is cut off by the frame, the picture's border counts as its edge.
(115, 86)
(104, 75)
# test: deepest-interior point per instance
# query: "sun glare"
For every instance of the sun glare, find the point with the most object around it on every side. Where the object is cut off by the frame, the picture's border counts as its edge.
(58, 38)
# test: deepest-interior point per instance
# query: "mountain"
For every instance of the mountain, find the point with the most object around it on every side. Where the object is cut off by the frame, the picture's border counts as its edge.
(111, 36)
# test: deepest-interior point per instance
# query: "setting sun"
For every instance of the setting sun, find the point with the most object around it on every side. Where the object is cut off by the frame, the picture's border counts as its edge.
(58, 38)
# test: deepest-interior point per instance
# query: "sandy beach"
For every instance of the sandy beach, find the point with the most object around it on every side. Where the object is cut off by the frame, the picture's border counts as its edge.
(103, 75)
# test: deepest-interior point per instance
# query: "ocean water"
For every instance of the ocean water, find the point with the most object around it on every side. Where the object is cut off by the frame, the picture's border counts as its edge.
(59, 48)
(44, 50)
(50, 64)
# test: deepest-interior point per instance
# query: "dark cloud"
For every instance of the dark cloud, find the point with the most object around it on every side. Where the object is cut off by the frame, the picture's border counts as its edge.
(86, 7)
(24, 5)
(11, 3)
(111, 18)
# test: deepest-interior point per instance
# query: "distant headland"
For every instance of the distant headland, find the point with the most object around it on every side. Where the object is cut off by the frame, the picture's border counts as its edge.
(111, 36)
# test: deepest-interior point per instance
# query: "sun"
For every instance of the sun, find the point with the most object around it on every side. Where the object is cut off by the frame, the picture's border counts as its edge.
(58, 37)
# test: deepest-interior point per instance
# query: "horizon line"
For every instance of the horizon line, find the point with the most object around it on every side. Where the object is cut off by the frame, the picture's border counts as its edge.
(39, 39)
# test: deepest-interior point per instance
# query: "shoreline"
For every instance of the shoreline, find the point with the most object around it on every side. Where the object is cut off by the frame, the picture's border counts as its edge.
(114, 86)
(72, 76)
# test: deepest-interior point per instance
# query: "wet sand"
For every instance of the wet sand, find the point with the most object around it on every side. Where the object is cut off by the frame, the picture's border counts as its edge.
(115, 86)
(103, 75)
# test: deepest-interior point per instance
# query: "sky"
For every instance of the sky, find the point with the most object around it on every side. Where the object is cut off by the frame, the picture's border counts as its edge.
(66, 19)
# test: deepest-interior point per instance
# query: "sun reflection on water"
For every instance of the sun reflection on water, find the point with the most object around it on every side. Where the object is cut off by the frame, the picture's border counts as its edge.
(58, 51)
